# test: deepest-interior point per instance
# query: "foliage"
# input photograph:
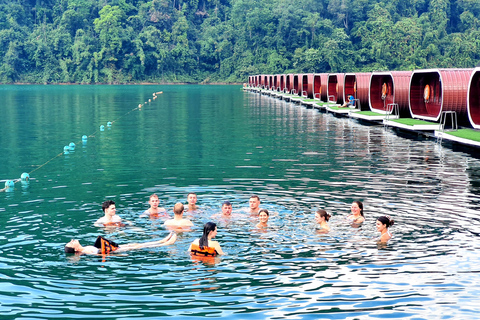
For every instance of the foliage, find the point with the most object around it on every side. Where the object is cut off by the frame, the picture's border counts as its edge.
(124, 41)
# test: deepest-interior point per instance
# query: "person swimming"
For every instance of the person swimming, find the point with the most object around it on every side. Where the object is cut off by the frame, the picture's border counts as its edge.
(205, 246)
(105, 246)
(322, 217)
(357, 216)
(263, 216)
(382, 224)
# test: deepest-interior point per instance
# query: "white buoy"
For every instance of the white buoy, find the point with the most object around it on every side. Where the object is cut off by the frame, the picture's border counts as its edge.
(71, 146)
(102, 128)
(109, 124)
(25, 176)
(9, 184)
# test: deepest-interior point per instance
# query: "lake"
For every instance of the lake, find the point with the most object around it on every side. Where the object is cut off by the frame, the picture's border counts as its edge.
(226, 144)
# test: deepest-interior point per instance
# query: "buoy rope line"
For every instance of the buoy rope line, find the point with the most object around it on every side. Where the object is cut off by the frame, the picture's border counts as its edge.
(10, 184)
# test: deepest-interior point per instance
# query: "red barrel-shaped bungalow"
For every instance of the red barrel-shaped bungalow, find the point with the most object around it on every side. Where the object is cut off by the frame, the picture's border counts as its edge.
(473, 99)
(434, 91)
(335, 87)
(387, 88)
(357, 85)
(307, 85)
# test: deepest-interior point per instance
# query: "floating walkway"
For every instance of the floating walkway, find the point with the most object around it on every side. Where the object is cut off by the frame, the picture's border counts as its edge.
(468, 137)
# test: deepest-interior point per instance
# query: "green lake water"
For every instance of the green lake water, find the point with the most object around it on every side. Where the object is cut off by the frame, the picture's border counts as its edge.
(226, 144)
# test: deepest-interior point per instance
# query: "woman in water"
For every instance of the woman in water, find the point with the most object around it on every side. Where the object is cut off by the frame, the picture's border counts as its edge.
(103, 246)
(322, 217)
(263, 218)
(205, 246)
(357, 216)
(382, 224)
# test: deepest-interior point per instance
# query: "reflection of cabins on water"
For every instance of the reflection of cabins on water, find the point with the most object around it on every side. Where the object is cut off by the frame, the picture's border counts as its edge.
(436, 102)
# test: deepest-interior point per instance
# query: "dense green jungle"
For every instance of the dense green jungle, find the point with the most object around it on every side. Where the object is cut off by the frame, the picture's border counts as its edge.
(207, 41)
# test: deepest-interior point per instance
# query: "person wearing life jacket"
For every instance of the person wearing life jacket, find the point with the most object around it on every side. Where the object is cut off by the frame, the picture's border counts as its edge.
(205, 246)
(105, 246)
(110, 219)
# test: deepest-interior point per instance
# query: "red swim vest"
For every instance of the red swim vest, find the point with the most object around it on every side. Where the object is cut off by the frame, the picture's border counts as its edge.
(206, 251)
(114, 224)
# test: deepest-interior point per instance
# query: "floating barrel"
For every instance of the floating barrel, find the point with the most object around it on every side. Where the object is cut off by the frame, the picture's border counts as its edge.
(473, 99)
(296, 83)
(433, 91)
(390, 87)
(335, 87)
(317, 86)
(282, 82)
(357, 85)
(289, 82)
(307, 85)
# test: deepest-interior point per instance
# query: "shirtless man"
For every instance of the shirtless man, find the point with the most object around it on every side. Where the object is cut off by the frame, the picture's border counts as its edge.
(192, 200)
(154, 211)
(226, 211)
(110, 219)
(254, 205)
(74, 246)
(178, 222)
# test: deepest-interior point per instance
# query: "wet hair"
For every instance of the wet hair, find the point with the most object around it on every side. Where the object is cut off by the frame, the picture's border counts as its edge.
(226, 203)
(207, 228)
(153, 196)
(324, 214)
(69, 249)
(386, 220)
(191, 193)
(264, 210)
(255, 196)
(107, 204)
(360, 205)
(178, 208)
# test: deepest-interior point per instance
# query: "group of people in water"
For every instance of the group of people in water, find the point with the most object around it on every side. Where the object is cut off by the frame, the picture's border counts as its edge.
(205, 246)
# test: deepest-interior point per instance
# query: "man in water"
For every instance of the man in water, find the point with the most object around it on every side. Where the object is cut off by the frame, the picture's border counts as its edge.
(103, 246)
(154, 211)
(178, 222)
(110, 219)
(254, 205)
(226, 211)
(192, 201)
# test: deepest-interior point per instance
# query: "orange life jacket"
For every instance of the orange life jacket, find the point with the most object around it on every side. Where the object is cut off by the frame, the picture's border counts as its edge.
(105, 245)
(206, 251)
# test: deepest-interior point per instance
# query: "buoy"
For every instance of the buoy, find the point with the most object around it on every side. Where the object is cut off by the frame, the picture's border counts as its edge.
(109, 124)
(9, 184)
(102, 128)
(154, 94)
(139, 105)
(84, 137)
(25, 176)
(72, 146)
(426, 93)
(149, 100)
(159, 92)
(66, 150)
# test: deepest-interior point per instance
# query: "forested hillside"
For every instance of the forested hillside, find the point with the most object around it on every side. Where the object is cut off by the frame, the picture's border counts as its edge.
(127, 41)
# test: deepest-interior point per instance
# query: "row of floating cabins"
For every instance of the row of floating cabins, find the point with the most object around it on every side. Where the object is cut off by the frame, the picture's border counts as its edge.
(429, 95)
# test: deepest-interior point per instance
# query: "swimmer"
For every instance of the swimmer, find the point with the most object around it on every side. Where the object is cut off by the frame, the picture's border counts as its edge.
(263, 217)
(357, 216)
(254, 203)
(110, 219)
(382, 224)
(178, 222)
(205, 246)
(192, 201)
(226, 211)
(322, 217)
(103, 246)
(154, 211)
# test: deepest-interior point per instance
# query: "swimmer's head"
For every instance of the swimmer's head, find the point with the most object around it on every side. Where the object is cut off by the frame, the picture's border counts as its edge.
(254, 202)
(72, 246)
(386, 220)
(107, 204)
(358, 204)
(322, 214)
(178, 209)
(192, 198)
(227, 208)
(154, 201)
(208, 228)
